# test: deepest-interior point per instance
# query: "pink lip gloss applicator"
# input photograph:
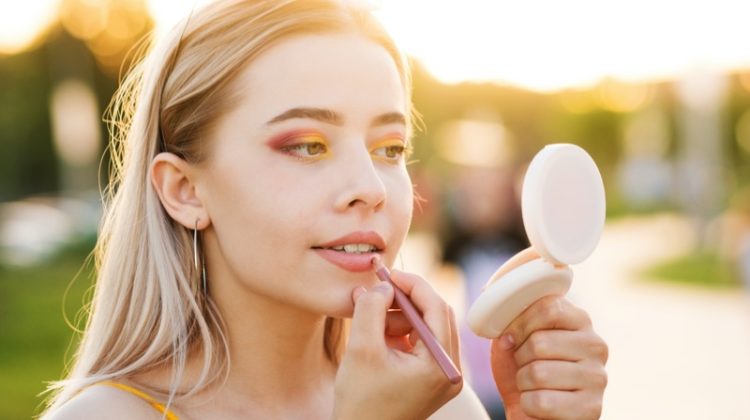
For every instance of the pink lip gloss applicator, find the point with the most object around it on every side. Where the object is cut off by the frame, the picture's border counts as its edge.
(416, 321)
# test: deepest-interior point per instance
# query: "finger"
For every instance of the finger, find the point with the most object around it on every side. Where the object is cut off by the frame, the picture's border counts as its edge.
(559, 375)
(435, 312)
(397, 329)
(454, 350)
(414, 338)
(547, 313)
(504, 370)
(562, 345)
(400, 343)
(554, 404)
(368, 322)
(396, 324)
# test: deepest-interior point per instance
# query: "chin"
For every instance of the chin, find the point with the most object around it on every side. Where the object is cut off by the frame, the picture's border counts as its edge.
(339, 303)
(342, 310)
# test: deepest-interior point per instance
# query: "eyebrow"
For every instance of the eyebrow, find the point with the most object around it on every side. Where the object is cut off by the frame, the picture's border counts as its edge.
(332, 117)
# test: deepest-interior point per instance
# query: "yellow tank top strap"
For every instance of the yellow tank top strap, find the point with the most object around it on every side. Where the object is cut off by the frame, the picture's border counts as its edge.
(137, 392)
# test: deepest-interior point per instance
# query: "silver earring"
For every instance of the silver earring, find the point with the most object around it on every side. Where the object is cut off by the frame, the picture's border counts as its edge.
(202, 269)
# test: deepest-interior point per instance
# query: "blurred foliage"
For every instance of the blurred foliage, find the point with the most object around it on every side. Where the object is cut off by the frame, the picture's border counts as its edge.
(90, 49)
(89, 43)
(705, 269)
(27, 159)
(594, 119)
(34, 307)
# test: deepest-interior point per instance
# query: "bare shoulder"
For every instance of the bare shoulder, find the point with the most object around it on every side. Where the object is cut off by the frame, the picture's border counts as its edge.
(104, 402)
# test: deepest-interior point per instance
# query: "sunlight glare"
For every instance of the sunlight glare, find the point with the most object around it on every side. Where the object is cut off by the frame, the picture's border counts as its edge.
(549, 45)
(167, 13)
(22, 21)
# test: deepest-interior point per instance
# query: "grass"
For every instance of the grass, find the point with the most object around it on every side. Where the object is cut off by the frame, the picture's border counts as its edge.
(704, 269)
(34, 335)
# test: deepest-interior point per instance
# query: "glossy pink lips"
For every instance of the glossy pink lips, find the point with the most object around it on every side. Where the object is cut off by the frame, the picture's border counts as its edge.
(354, 262)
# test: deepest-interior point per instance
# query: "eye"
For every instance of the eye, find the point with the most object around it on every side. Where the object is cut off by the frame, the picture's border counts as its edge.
(304, 145)
(306, 150)
(391, 150)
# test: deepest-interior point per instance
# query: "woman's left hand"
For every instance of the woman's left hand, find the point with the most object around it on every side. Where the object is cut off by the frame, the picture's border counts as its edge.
(549, 363)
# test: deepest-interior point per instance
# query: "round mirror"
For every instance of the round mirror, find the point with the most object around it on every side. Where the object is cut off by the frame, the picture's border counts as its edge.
(563, 204)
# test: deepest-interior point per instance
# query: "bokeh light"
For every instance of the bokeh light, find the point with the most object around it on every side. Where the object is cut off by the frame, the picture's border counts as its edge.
(167, 13)
(109, 27)
(617, 96)
(75, 123)
(22, 22)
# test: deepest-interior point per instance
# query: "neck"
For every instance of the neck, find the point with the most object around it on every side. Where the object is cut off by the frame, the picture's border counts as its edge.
(277, 352)
(278, 364)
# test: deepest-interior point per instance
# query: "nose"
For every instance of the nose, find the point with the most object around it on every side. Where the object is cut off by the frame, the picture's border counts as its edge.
(362, 185)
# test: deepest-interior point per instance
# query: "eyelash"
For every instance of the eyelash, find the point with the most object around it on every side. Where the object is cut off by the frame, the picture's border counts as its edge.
(401, 150)
(391, 143)
(302, 143)
(294, 148)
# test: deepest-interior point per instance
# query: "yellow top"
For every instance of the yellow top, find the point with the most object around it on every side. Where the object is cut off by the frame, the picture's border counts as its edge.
(157, 405)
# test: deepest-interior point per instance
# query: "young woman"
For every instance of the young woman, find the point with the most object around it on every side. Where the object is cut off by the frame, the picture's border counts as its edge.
(259, 166)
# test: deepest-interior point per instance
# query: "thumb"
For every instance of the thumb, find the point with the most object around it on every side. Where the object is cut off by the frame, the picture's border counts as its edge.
(504, 369)
(368, 321)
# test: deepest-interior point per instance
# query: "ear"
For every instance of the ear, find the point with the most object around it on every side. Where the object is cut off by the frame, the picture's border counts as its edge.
(170, 176)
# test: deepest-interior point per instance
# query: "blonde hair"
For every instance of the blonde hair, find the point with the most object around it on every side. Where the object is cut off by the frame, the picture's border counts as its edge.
(148, 308)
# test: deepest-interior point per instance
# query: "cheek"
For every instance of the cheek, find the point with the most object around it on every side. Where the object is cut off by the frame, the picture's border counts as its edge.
(401, 197)
(253, 211)
(258, 239)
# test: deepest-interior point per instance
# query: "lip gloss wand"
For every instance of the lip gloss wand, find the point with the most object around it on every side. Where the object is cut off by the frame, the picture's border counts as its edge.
(416, 321)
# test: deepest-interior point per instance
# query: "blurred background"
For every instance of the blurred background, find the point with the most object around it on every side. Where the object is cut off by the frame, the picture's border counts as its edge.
(657, 92)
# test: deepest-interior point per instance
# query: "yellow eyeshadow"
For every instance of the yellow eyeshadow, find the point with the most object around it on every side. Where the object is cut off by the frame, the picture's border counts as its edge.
(389, 141)
(307, 138)
(307, 141)
(394, 140)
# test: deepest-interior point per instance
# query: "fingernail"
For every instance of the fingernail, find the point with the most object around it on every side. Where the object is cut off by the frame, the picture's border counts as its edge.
(357, 292)
(507, 342)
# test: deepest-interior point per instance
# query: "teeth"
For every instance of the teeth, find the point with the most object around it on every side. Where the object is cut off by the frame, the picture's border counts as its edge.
(355, 248)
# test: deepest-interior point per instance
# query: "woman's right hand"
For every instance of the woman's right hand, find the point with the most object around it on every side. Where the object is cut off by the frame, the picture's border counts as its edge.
(387, 372)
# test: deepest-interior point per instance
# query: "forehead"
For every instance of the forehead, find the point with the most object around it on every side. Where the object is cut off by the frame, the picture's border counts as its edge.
(343, 72)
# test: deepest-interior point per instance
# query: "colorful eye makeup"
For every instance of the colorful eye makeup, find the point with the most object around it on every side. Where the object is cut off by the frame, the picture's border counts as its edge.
(311, 145)
(302, 144)
(391, 148)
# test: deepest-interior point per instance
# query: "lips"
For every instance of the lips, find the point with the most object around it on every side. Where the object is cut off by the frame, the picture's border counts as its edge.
(356, 262)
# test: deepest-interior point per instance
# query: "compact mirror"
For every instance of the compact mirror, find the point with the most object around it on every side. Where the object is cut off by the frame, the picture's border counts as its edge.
(563, 206)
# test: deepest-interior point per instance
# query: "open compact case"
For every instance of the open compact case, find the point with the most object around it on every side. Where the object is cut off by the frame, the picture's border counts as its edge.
(563, 207)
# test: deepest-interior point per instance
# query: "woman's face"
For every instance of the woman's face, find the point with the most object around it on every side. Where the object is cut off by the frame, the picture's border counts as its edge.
(306, 178)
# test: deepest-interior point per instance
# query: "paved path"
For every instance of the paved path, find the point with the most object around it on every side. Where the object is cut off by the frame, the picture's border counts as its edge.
(677, 352)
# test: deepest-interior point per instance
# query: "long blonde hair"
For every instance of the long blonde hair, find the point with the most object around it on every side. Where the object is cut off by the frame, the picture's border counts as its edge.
(148, 307)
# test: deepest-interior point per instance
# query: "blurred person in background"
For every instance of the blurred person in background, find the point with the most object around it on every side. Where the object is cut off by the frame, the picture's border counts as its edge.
(483, 227)
(259, 159)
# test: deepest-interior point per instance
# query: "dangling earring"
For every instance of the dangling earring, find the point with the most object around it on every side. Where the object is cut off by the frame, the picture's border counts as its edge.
(202, 269)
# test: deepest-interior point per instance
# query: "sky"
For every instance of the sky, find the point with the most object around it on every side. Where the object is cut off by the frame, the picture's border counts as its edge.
(542, 45)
